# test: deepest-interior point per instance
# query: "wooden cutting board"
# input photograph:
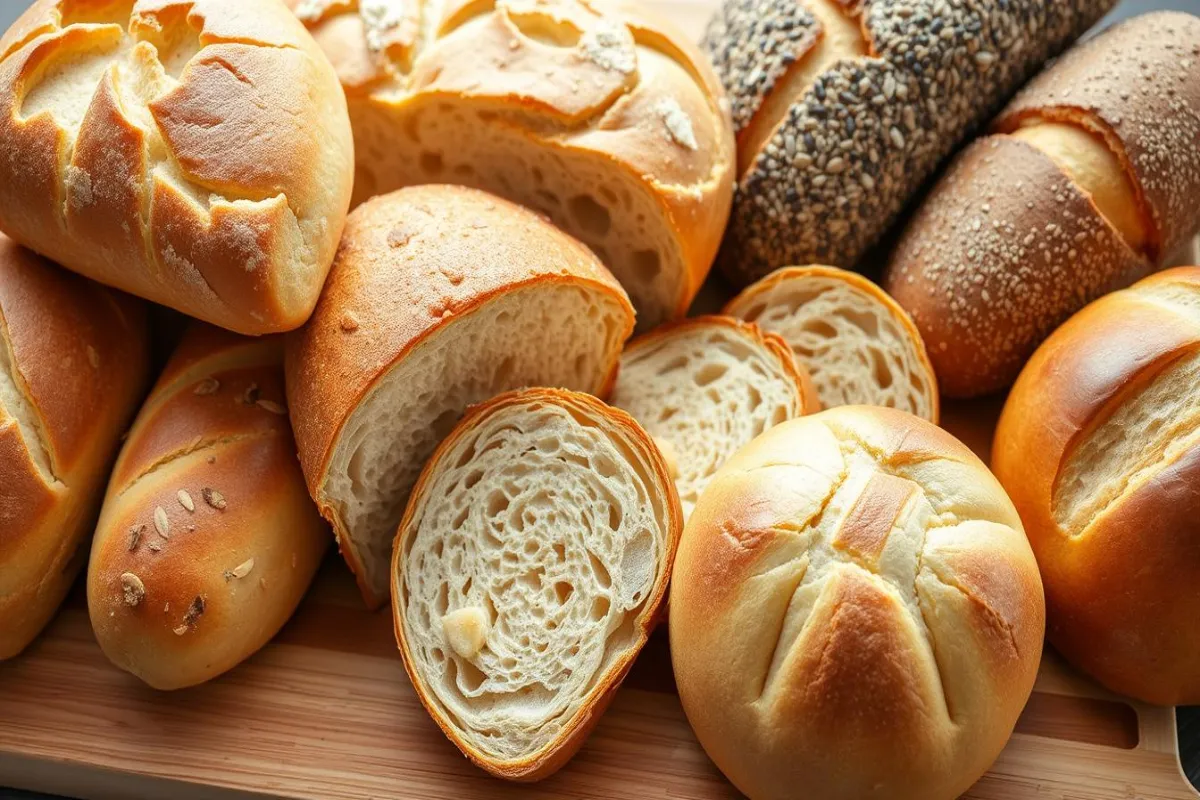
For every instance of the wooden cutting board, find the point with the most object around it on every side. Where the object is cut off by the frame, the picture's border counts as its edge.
(326, 711)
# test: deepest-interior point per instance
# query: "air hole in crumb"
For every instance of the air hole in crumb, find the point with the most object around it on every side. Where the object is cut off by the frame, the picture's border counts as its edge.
(603, 578)
(563, 591)
(431, 163)
(609, 195)
(497, 503)
(615, 516)
(756, 397)
(590, 216)
(604, 466)
(460, 519)
(883, 375)
(466, 587)
(600, 607)
(470, 677)
(710, 373)
(442, 602)
(560, 551)
(473, 478)
(646, 265)
(539, 178)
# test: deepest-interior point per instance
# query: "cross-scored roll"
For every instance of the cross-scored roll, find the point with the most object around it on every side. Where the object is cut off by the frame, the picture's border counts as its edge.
(855, 610)
(528, 571)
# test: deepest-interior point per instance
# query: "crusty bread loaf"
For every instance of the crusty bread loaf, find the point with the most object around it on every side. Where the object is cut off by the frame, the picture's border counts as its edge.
(595, 112)
(440, 297)
(855, 611)
(1099, 447)
(844, 108)
(194, 152)
(74, 361)
(857, 343)
(528, 570)
(704, 387)
(1088, 183)
(208, 539)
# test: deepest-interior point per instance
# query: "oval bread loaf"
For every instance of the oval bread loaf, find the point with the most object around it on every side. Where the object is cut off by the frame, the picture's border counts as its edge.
(208, 539)
(704, 387)
(596, 113)
(1088, 183)
(844, 108)
(1099, 447)
(440, 297)
(855, 610)
(857, 343)
(74, 362)
(193, 152)
(528, 571)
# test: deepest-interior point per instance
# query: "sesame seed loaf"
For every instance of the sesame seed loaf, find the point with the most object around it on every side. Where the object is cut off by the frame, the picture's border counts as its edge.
(208, 538)
(1088, 183)
(828, 160)
(594, 112)
(74, 362)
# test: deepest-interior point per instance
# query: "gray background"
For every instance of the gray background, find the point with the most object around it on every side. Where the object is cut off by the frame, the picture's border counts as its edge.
(1189, 718)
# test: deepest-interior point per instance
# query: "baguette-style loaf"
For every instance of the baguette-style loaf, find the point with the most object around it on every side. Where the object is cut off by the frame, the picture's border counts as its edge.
(208, 539)
(193, 152)
(857, 343)
(594, 112)
(1088, 183)
(528, 571)
(704, 387)
(440, 297)
(74, 362)
(855, 612)
(1099, 448)
(843, 109)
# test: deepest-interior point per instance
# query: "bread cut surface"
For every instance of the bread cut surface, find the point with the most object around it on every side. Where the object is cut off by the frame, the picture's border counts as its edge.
(844, 568)
(528, 569)
(857, 344)
(597, 114)
(441, 297)
(194, 152)
(705, 387)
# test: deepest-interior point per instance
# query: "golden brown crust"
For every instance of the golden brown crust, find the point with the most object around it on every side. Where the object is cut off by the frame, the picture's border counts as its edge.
(208, 538)
(78, 356)
(574, 732)
(215, 182)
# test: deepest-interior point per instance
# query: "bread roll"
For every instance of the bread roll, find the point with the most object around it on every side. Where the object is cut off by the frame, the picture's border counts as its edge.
(1088, 182)
(440, 297)
(855, 611)
(598, 114)
(704, 387)
(528, 570)
(855, 341)
(208, 539)
(843, 109)
(1099, 448)
(193, 152)
(74, 361)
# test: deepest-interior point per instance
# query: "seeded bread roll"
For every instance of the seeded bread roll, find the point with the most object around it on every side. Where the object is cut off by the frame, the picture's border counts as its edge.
(528, 571)
(855, 612)
(594, 112)
(857, 343)
(843, 108)
(704, 387)
(193, 152)
(208, 539)
(1099, 447)
(440, 297)
(74, 362)
(1088, 183)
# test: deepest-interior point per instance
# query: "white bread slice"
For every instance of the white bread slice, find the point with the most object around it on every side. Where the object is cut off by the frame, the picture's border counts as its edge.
(857, 343)
(528, 571)
(704, 387)
(440, 297)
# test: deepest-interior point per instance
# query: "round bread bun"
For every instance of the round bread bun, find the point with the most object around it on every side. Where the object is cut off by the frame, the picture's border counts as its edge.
(1099, 447)
(858, 345)
(843, 108)
(595, 112)
(194, 152)
(855, 611)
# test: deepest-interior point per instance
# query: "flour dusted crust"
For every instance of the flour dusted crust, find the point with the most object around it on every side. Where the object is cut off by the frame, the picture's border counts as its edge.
(194, 152)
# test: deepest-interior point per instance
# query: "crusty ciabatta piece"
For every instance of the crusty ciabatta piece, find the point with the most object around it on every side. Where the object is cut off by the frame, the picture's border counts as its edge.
(440, 297)
(595, 112)
(857, 343)
(527, 573)
(704, 387)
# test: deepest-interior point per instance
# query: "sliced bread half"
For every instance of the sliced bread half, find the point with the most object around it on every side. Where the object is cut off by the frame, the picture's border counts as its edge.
(857, 343)
(706, 386)
(440, 297)
(528, 571)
